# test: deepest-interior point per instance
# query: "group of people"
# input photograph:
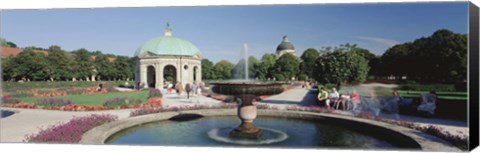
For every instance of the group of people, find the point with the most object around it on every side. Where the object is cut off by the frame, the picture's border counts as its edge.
(333, 99)
(351, 101)
(188, 88)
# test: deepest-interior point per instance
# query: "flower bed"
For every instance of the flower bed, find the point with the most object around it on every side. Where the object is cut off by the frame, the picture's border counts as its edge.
(53, 102)
(121, 102)
(70, 132)
(21, 105)
(7, 99)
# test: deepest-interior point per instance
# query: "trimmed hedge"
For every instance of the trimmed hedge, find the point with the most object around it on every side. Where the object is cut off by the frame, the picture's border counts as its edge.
(428, 87)
(12, 86)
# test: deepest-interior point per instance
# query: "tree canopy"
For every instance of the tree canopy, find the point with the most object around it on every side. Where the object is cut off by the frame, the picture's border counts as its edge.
(207, 70)
(439, 58)
(340, 66)
(308, 61)
(223, 69)
(286, 67)
(262, 70)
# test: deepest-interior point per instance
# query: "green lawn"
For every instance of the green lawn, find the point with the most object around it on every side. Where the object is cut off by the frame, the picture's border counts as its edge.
(93, 99)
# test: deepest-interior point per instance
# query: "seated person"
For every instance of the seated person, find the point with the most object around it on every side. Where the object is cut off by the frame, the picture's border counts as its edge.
(391, 105)
(344, 98)
(354, 100)
(323, 97)
(99, 87)
(428, 103)
(334, 97)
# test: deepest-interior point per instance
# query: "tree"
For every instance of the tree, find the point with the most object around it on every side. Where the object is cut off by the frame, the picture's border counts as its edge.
(340, 67)
(286, 66)
(262, 70)
(84, 65)
(104, 68)
(308, 61)
(207, 70)
(223, 69)
(8, 68)
(122, 66)
(5, 43)
(439, 58)
(31, 65)
(60, 62)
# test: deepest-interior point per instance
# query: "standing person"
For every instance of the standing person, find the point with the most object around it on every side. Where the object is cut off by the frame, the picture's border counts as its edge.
(179, 88)
(194, 88)
(170, 87)
(322, 97)
(188, 89)
(334, 97)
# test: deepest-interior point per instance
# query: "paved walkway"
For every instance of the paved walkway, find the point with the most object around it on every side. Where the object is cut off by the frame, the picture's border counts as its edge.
(26, 121)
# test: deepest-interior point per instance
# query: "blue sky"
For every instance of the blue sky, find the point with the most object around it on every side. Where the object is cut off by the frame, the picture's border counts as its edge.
(220, 31)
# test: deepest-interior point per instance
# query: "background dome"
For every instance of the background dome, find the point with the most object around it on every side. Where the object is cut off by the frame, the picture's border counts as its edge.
(285, 45)
(168, 45)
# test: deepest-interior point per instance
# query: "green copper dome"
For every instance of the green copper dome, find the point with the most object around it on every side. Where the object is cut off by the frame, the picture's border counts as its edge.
(168, 45)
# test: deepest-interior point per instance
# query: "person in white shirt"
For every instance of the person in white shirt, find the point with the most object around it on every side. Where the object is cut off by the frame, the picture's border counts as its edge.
(334, 97)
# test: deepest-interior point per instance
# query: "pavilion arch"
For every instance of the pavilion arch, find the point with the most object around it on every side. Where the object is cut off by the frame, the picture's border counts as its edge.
(170, 73)
(196, 73)
(151, 76)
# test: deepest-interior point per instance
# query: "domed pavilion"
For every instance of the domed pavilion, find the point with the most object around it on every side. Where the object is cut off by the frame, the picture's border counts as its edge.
(285, 47)
(167, 59)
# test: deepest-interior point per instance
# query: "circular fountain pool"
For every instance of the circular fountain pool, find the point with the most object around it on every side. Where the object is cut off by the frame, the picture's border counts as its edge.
(278, 132)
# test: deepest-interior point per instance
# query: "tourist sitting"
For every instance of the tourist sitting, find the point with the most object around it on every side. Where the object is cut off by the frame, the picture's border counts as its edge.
(323, 98)
(169, 87)
(354, 100)
(344, 98)
(334, 97)
(99, 87)
(391, 105)
(428, 103)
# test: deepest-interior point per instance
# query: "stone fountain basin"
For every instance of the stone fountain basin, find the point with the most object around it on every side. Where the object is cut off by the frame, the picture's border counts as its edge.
(405, 137)
(247, 88)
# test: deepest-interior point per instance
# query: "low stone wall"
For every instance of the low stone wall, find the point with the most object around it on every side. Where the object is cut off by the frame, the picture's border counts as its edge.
(399, 136)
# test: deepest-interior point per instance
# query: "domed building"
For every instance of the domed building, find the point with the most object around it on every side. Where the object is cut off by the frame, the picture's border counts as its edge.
(285, 47)
(167, 58)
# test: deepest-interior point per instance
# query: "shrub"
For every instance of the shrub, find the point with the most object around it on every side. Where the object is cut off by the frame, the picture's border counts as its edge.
(70, 132)
(154, 92)
(53, 102)
(12, 86)
(121, 101)
(428, 87)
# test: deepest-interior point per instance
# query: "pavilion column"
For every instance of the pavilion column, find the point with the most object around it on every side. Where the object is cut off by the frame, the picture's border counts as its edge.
(143, 75)
(159, 76)
(199, 73)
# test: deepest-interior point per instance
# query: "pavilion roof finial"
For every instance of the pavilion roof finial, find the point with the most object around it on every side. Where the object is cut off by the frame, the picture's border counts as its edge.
(168, 31)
